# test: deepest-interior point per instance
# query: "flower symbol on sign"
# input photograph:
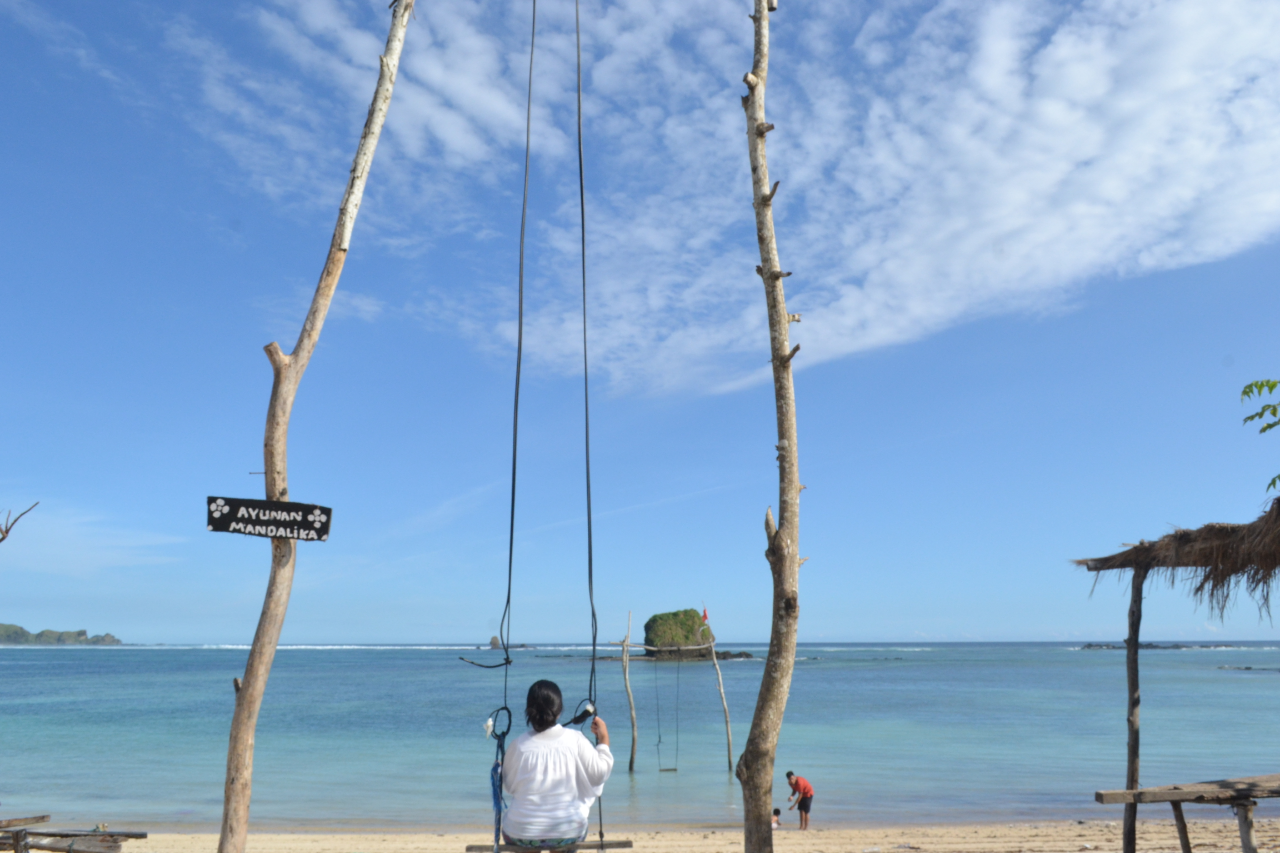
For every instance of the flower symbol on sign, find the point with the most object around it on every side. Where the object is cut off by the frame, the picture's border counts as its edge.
(219, 508)
(317, 517)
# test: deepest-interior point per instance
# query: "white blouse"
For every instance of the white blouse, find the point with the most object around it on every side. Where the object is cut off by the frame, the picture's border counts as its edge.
(552, 778)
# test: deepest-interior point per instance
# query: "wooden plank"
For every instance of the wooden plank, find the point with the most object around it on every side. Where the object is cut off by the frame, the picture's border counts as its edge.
(23, 821)
(1221, 791)
(582, 845)
(108, 834)
(74, 845)
(65, 845)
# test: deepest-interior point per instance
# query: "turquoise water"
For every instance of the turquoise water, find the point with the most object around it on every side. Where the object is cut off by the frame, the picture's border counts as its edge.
(392, 736)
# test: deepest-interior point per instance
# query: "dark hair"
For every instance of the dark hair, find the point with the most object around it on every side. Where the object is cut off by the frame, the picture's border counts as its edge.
(542, 708)
(789, 773)
(777, 811)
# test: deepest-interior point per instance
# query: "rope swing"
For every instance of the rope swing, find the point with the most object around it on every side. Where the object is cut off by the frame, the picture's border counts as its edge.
(496, 726)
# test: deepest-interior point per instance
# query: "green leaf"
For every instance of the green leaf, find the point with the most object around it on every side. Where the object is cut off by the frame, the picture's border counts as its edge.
(1256, 388)
(1274, 482)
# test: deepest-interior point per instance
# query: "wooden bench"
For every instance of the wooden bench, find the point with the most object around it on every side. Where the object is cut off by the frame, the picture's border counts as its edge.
(1241, 794)
(581, 845)
(14, 836)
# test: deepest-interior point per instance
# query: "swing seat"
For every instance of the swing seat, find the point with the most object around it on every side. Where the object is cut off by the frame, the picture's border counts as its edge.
(568, 848)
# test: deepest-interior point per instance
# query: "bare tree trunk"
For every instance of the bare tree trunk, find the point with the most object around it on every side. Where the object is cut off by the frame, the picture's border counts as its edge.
(1130, 834)
(631, 700)
(288, 370)
(728, 732)
(755, 766)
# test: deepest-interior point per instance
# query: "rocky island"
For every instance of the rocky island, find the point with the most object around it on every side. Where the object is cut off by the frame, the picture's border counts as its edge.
(667, 632)
(16, 635)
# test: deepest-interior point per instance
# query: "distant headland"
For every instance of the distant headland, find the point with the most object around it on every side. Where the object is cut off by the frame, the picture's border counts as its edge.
(16, 635)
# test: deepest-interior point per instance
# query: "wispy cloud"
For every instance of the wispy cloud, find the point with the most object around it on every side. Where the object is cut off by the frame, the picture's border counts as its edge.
(284, 313)
(939, 161)
(60, 37)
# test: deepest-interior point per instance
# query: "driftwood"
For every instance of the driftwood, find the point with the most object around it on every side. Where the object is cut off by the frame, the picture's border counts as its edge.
(755, 766)
(288, 370)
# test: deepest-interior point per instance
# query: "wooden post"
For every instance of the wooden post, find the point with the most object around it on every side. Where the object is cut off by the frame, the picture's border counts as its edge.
(631, 701)
(1184, 838)
(728, 732)
(1244, 816)
(755, 765)
(20, 841)
(288, 370)
(1130, 838)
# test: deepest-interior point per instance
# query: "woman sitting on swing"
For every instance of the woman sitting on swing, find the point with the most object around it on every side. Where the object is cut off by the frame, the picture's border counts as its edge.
(552, 775)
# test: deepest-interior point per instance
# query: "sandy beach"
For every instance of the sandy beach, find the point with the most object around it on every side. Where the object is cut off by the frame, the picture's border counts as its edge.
(1044, 837)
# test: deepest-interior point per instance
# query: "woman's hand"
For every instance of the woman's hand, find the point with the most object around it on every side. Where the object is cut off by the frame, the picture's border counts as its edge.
(601, 731)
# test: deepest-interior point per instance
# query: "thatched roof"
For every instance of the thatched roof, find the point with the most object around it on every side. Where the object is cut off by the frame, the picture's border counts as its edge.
(1215, 559)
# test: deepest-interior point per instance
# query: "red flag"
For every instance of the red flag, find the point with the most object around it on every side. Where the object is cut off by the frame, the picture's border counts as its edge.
(704, 614)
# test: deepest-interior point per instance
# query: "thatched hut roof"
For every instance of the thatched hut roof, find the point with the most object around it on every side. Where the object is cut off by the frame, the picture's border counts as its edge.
(1215, 559)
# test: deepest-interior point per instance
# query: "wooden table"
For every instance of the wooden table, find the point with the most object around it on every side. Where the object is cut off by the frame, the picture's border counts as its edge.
(1241, 794)
(14, 836)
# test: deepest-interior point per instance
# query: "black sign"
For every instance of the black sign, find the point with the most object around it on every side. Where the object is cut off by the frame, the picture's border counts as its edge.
(272, 519)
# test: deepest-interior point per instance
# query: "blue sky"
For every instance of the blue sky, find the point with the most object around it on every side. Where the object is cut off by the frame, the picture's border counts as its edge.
(1033, 243)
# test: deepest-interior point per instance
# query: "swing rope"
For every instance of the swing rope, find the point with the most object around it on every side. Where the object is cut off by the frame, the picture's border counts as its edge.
(504, 624)
(657, 704)
(586, 392)
(498, 732)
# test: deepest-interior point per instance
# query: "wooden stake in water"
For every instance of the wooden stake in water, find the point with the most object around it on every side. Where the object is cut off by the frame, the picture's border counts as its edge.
(631, 701)
(728, 732)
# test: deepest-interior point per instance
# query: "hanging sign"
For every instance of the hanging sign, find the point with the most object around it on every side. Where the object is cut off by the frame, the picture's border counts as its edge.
(272, 519)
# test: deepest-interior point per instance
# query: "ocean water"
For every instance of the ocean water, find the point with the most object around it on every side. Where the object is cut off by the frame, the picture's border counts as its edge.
(392, 736)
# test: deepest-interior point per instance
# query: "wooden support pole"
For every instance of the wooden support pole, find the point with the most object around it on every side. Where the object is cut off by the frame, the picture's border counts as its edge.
(728, 732)
(1130, 837)
(1184, 838)
(288, 370)
(631, 700)
(1244, 816)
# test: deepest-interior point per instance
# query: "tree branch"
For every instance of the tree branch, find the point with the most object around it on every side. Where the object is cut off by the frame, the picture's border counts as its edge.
(10, 522)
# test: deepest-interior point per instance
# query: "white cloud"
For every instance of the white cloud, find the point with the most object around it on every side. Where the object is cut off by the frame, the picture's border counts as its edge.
(939, 161)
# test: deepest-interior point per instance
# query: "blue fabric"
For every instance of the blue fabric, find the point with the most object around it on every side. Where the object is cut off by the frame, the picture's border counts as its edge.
(495, 779)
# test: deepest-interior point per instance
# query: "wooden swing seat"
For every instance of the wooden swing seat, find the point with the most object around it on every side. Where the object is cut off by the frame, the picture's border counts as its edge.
(581, 845)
